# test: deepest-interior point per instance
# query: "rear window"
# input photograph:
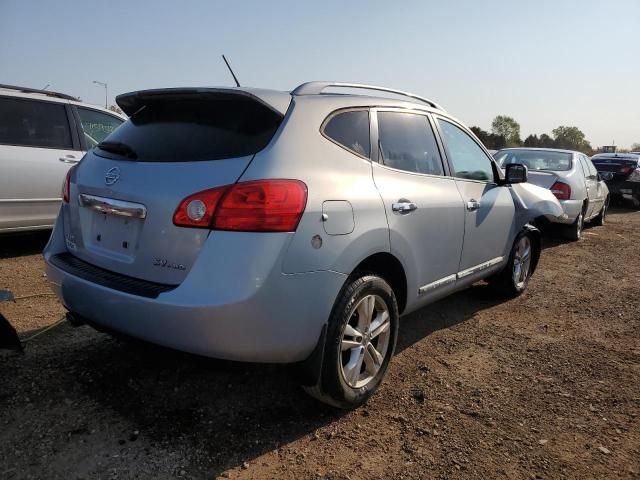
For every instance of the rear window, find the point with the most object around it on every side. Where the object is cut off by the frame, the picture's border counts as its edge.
(536, 159)
(32, 123)
(195, 128)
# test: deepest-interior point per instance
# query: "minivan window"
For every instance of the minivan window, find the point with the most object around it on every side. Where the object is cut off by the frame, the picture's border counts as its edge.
(467, 159)
(194, 128)
(407, 143)
(350, 130)
(32, 123)
(97, 125)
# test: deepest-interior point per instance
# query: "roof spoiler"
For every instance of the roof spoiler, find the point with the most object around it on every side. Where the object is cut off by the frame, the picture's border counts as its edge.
(131, 102)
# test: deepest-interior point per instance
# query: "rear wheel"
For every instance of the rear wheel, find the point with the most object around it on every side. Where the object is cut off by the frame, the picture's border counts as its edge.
(600, 219)
(361, 338)
(574, 231)
(513, 280)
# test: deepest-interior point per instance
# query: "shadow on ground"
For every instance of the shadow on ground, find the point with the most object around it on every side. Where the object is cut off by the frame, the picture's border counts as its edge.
(225, 413)
(21, 244)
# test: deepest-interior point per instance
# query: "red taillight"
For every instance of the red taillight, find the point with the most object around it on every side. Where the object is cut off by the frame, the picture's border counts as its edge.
(255, 206)
(66, 186)
(562, 191)
(197, 210)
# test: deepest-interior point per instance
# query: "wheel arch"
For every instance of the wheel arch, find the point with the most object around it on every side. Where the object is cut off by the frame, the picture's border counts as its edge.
(536, 237)
(388, 267)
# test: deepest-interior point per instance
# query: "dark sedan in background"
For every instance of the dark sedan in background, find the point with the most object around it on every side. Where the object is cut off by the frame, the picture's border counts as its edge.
(621, 172)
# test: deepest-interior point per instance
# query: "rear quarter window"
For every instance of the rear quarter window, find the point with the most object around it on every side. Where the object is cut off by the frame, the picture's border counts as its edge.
(350, 130)
(194, 128)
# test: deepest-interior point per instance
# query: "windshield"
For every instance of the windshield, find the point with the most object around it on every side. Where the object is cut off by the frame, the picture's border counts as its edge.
(536, 159)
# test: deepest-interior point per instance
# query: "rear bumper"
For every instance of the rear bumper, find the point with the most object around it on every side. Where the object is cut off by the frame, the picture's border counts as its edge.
(630, 189)
(572, 209)
(227, 307)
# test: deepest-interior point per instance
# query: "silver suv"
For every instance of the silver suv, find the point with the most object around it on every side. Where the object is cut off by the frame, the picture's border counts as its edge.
(42, 134)
(287, 227)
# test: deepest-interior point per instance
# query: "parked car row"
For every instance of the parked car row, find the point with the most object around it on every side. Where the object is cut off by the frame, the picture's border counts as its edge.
(571, 177)
(296, 227)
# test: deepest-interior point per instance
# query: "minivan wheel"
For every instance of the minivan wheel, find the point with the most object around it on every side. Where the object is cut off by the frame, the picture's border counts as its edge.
(361, 338)
(514, 278)
(574, 231)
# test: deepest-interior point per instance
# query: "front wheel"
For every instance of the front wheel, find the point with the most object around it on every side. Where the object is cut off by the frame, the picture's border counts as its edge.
(361, 338)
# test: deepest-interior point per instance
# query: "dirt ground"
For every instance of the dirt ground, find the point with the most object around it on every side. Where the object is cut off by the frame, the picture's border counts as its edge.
(543, 386)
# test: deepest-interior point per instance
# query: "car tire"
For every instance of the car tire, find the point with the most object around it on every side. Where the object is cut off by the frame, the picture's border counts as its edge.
(360, 341)
(514, 278)
(601, 218)
(573, 232)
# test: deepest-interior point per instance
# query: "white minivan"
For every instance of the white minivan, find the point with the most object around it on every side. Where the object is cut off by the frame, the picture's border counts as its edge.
(42, 134)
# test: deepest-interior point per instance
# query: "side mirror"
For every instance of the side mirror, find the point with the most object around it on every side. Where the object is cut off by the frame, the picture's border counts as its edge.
(515, 173)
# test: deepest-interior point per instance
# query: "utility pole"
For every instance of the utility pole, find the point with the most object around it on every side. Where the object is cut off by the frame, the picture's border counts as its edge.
(105, 91)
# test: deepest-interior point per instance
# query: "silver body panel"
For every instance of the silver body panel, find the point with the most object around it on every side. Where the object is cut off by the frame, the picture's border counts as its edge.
(266, 296)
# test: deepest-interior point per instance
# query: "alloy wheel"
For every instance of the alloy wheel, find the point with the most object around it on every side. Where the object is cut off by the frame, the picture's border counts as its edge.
(522, 261)
(365, 341)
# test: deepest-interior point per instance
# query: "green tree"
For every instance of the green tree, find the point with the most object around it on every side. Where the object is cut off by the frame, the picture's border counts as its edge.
(545, 141)
(570, 138)
(531, 141)
(489, 140)
(508, 128)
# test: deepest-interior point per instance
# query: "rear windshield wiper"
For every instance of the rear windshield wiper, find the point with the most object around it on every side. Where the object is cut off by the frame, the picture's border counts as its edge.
(118, 148)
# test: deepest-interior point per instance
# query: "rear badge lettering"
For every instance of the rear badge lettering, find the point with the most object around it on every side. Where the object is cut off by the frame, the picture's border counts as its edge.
(164, 263)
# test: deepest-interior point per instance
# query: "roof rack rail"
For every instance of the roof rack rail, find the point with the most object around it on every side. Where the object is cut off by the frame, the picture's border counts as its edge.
(316, 88)
(44, 92)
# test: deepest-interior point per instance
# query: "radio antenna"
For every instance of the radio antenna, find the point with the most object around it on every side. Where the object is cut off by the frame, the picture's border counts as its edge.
(232, 74)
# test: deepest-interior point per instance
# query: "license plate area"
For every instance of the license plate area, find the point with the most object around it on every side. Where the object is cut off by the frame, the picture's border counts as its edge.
(114, 236)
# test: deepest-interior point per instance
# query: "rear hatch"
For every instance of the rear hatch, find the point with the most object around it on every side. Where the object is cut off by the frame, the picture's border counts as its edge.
(177, 142)
(615, 167)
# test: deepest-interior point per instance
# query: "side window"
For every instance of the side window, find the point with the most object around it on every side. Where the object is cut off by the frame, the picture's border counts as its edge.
(96, 125)
(592, 169)
(351, 130)
(32, 123)
(587, 168)
(407, 143)
(467, 159)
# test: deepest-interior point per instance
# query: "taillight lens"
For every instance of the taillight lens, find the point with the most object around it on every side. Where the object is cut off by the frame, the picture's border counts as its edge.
(197, 210)
(255, 206)
(66, 186)
(562, 191)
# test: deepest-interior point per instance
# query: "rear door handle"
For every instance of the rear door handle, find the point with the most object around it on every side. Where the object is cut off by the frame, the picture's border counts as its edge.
(473, 205)
(403, 207)
(69, 159)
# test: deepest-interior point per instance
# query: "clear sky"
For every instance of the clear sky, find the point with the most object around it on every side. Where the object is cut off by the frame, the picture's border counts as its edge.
(544, 62)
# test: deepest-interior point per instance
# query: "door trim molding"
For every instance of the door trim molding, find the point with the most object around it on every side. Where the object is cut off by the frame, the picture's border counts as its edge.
(438, 283)
(456, 276)
(480, 267)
